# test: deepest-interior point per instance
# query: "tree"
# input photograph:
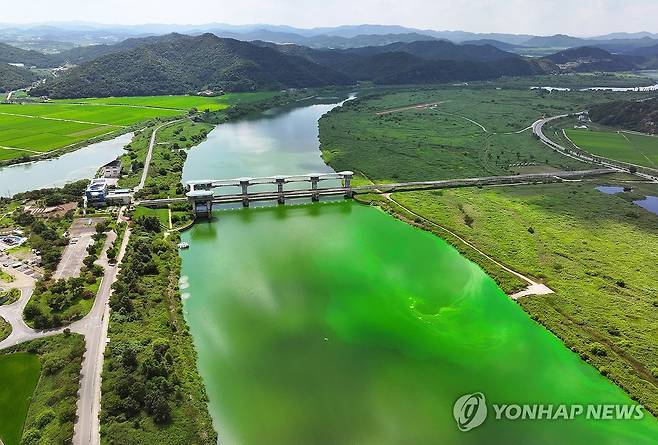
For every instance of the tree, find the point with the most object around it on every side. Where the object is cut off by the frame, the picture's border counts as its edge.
(101, 227)
(150, 223)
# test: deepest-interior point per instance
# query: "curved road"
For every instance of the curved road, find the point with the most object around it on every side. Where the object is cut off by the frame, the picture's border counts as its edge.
(537, 128)
(93, 327)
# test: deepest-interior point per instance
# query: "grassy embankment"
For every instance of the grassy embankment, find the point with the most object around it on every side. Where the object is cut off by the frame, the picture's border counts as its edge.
(596, 251)
(152, 392)
(38, 390)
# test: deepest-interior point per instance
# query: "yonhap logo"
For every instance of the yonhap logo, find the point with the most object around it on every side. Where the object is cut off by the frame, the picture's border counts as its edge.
(470, 411)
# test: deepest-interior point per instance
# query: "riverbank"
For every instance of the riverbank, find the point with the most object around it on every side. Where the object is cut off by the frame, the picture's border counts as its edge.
(578, 241)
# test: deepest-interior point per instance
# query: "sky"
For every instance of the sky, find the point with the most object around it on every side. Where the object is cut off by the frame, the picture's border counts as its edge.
(545, 17)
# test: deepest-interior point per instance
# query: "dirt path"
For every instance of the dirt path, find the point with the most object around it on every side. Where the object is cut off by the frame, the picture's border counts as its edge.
(22, 149)
(471, 121)
(410, 107)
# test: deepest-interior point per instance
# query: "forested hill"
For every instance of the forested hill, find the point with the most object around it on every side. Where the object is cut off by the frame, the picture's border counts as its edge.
(11, 54)
(12, 78)
(638, 116)
(421, 62)
(588, 59)
(184, 64)
(177, 64)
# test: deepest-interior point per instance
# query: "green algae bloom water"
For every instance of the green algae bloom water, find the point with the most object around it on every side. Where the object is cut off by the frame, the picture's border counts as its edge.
(334, 323)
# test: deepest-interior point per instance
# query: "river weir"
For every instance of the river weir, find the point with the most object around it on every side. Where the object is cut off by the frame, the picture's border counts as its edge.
(332, 322)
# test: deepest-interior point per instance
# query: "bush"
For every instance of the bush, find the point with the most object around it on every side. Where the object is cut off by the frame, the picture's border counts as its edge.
(598, 349)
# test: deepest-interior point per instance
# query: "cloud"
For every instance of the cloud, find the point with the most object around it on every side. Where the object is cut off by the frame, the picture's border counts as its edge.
(586, 17)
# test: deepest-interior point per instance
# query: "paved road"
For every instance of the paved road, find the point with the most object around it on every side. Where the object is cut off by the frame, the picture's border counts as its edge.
(149, 155)
(537, 128)
(94, 328)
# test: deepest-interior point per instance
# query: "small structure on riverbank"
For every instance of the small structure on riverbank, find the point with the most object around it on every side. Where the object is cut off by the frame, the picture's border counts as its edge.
(111, 169)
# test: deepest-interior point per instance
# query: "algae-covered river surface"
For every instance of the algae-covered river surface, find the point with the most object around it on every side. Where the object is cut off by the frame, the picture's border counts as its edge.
(334, 323)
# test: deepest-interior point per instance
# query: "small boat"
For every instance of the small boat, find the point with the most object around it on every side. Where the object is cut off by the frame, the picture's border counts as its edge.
(183, 246)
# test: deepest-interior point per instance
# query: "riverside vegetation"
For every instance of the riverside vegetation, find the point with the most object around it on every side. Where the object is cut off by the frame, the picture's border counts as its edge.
(152, 392)
(595, 251)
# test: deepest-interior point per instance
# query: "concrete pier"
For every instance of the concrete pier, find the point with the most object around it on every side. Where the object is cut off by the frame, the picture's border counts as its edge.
(200, 192)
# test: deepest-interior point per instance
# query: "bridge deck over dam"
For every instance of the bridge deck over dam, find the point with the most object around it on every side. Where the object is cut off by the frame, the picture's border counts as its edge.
(203, 194)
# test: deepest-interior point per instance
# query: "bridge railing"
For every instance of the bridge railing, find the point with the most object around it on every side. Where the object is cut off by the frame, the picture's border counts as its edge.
(208, 184)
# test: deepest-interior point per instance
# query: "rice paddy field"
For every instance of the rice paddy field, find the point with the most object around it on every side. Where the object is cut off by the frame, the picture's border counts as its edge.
(178, 102)
(19, 374)
(35, 128)
(623, 146)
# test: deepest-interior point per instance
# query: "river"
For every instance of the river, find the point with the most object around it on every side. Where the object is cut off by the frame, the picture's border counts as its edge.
(334, 323)
(55, 172)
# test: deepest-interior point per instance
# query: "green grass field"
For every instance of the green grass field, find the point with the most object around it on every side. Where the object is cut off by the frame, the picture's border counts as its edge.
(161, 214)
(178, 102)
(626, 147)
(19, 374)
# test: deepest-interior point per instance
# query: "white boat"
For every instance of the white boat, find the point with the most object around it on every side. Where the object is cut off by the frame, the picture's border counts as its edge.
(183, 245)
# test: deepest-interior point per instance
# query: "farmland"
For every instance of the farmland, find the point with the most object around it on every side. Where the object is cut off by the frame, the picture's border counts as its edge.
(215, 103)
(623, 146)
(18, 378)
(38, 128)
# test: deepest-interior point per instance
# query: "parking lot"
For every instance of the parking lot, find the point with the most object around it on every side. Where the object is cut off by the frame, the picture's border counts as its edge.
(11, 265)
(80, 235)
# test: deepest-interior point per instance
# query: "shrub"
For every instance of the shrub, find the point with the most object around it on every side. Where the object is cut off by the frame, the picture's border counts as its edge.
(598, 349)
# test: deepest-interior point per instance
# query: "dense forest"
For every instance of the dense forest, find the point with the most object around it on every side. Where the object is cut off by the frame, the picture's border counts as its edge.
(12, 77)
(11, 54)
(631, 115)
(189, 64)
